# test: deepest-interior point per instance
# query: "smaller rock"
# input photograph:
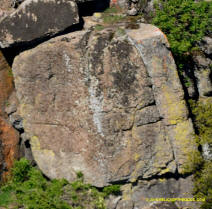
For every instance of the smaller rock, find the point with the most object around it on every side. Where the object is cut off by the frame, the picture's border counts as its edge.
(97, 16)
(206, 45)
(16, 121)
(207, 151)
(203, 82)
(125, 204)
(112, 202)
(132, 12)
(12, 104)
(147, 115)
(37, 19)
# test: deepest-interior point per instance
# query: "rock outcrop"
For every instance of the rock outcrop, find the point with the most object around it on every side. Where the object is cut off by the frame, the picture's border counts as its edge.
(108, 103)
(35, 19)
(9, 137)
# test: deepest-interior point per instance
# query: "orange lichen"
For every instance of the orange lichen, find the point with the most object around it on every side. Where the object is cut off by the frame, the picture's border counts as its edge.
(9, 137)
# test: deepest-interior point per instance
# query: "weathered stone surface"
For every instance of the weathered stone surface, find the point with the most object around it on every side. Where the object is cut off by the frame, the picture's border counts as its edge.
(107, 104)
(204, 83)
(146, 193)
(36, 19)
(142, 194)
(9, 137)
(168, 93)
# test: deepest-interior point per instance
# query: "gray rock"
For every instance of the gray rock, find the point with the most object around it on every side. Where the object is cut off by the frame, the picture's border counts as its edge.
(125, 204)
(207, 151)
(203, 82)
(36, 19)
(206, 45)
(147, 115)
(12, 104)
(16, 121)
(25, 148)
(145, 195)
(87, 103)
(112, 202)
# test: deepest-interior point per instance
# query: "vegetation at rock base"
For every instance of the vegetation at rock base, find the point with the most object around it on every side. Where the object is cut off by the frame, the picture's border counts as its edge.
(184, 22)
(203, 168)
(28, 188)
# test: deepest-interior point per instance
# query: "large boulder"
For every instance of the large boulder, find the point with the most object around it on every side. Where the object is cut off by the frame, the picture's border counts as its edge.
(108, 103)
(36, 19)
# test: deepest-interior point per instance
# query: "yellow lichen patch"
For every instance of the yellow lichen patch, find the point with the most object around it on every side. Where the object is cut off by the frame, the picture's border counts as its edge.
(126, 191)
(137, 156)
(184, 143)
(163, 171)
(174, 108)
(162, 180)
(136, 173)
(35, 144)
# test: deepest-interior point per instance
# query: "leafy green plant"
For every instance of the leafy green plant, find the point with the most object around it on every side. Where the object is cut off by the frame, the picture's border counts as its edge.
(28, 188)
(112, 189)
(184, 22)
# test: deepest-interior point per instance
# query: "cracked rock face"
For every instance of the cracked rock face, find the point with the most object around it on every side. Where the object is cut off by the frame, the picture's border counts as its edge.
(106, 104)
(37, 19)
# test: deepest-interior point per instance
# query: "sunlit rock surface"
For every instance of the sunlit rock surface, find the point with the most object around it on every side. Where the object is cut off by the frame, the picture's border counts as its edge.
(108, 103)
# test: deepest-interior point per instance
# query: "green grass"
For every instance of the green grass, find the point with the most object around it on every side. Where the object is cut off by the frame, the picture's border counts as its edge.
(112, 15)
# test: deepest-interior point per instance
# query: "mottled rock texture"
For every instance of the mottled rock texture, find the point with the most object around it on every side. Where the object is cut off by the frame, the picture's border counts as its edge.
(37, 19)
(9, 137)
(203, 63)
(162, 188)
(108, 103)
(131, 7)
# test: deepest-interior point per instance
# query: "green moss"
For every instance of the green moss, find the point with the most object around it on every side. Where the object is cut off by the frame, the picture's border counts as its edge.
(10, 72)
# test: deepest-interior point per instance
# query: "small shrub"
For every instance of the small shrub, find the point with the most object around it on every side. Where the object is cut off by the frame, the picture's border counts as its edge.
(20, 171)
(184, 22)
(112, 189)
(79, 175)
(29, 189)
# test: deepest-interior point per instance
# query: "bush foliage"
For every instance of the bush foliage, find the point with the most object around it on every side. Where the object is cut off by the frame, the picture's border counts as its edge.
(184, 22)
(29, 189)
